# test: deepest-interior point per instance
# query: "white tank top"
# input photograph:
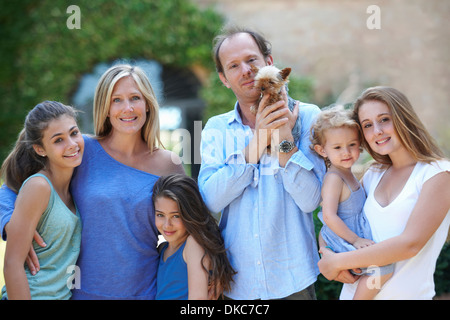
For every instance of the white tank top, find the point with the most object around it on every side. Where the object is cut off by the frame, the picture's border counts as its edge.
(412, 278)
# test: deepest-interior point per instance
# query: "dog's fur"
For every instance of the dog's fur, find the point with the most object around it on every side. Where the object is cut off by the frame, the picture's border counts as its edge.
(270, 80)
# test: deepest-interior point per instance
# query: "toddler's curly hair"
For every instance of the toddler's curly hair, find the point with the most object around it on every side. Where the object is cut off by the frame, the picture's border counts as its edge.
(335, 116)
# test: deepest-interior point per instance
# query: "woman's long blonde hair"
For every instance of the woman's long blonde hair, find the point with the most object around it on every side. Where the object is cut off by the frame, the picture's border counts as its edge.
(102, 101)
(411, 131)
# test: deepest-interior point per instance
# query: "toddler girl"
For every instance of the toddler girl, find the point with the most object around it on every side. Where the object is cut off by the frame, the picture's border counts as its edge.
(337, 138)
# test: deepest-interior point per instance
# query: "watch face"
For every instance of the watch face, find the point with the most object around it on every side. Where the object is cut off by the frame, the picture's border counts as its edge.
(286, 146)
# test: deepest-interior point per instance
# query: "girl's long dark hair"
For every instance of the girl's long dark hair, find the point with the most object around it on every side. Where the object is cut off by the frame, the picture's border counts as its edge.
(23, 161)
(200, 224)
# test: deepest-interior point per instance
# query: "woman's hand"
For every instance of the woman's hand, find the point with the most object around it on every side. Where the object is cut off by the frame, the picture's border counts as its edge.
(327, 267)
(32, 259)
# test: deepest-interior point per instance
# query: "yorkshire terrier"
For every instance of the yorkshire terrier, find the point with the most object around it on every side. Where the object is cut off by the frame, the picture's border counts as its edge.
(271, 80)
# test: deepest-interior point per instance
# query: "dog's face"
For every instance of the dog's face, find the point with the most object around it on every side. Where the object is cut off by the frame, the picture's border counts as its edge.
(270, 79)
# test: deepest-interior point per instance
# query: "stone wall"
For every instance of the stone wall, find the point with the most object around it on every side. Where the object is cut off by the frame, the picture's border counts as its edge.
(329, 41)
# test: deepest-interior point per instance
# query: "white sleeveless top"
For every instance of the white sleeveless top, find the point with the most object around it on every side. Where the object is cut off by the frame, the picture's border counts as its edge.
(412, 278)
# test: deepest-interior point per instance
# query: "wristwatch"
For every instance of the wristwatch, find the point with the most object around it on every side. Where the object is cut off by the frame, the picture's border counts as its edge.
(286, 146)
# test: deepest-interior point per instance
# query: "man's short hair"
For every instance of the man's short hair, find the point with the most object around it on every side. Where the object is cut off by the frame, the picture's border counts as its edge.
(229, 31)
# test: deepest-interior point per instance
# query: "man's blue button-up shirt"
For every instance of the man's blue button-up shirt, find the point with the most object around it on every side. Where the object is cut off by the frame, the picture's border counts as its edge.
(265, 210)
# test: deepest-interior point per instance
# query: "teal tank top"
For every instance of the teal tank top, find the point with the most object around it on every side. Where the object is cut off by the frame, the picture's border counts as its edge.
(61, 230)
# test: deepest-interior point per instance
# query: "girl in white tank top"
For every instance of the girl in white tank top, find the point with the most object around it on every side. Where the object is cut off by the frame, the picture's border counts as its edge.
(408, 199)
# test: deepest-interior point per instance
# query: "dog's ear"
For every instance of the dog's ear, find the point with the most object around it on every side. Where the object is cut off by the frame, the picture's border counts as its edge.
(285, 73)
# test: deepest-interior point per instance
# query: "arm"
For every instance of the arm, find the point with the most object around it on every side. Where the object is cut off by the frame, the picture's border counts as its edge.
(31, 203)
(230, 159)
(344, 276)
(197, 276)
(430, 210)
(285, 131)
(224, 174)
(269, 120)
(304, 171)
(331, 193)
(166, 162)
(7, 200)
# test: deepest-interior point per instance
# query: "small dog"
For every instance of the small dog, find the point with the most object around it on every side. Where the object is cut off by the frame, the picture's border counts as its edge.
(271, 80)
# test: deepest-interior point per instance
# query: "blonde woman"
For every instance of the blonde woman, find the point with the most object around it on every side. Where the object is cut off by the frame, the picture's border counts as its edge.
(408, 199)
(119, 258)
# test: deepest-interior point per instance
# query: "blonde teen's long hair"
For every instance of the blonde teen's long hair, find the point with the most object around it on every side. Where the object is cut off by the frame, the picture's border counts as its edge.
(411, 131)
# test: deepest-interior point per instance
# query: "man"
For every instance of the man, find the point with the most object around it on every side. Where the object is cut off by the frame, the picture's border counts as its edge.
(265, 198)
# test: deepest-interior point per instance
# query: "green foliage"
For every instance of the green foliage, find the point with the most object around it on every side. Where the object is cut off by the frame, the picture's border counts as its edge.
(325, 290)
(43, 59)
(442, 275)
(218, 98)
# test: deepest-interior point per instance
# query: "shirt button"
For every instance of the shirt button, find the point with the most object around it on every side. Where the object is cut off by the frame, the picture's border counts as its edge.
(256, 235)
(259, 262)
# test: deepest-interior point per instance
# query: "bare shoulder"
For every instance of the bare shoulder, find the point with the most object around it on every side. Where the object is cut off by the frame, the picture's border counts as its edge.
(34, 195)
(192, 244)
(193, 251)
(36, 186)
(165, 162)
(332, 180)
(438, 186)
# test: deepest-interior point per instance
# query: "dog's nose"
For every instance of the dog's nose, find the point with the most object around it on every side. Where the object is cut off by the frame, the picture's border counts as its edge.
(262, 88)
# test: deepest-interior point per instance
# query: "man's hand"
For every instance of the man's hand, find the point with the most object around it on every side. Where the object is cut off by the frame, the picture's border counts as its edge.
(268, 119)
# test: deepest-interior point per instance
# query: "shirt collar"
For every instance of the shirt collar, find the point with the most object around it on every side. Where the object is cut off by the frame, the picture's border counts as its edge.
(236, 115)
